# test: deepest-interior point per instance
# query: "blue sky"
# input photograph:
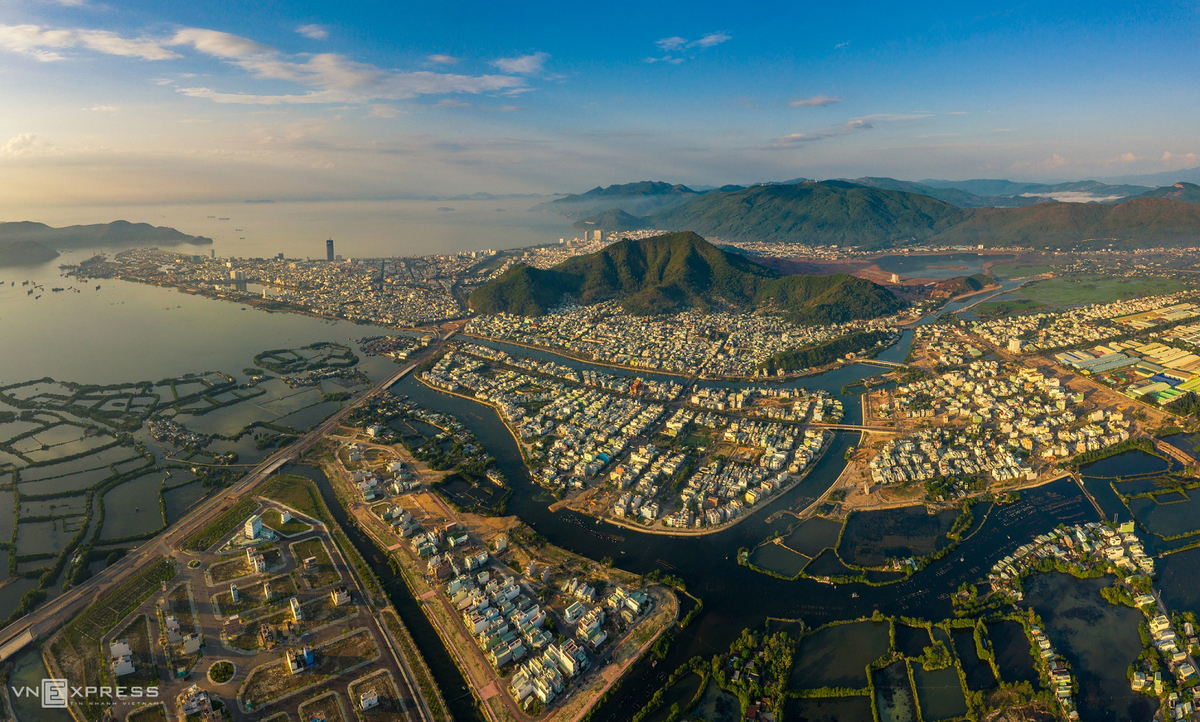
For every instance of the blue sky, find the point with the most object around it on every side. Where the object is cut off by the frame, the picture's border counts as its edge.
(153, 101)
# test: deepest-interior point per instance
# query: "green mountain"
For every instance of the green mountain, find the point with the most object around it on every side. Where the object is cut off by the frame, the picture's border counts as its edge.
(817, 213)
(678, 271)
(953, 196)
(25, 253)
(614, 219)
(1140, 222)
(1000, 187)
(1185, 192)
(635, 198)
(117, 233)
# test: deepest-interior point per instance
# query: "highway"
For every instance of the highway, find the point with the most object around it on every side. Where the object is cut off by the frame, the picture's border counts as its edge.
(47, 617)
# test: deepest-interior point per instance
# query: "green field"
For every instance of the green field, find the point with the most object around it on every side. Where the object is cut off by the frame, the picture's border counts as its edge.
(1019, 270)
(1003, 309)
(1078, 290)
(295, 492)
(210, 534)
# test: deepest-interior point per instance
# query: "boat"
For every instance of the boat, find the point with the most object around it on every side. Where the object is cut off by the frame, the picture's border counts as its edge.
(854, 595)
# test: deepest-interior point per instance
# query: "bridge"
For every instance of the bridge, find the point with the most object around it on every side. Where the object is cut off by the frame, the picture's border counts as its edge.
(854, 427)
(1175, 453)
(878, 362)
(51, 615)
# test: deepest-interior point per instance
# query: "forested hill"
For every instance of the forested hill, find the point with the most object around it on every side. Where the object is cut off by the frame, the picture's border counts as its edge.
(681, 271)
(23, 242)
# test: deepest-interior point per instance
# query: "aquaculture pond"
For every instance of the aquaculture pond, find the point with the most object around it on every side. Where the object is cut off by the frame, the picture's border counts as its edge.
(894, 698)
(978, 672)
(1098, 639)
(939, 693)
(841, 709)
(874, 538)
(838, 655)
(1013, 652)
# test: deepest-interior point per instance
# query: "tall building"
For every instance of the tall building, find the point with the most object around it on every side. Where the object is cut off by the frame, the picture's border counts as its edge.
(329, 250)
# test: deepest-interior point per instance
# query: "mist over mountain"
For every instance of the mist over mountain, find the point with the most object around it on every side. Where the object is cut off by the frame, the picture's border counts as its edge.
(637, 198)
(21, 241)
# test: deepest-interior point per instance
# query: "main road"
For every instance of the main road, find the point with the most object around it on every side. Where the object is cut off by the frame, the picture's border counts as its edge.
(47, 617)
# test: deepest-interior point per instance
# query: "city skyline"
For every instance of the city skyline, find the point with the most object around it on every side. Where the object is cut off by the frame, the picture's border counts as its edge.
(150, 102)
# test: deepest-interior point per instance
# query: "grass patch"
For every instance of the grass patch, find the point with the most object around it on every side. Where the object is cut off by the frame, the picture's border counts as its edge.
(295, 492)
(323, 572)
(206, 536)
(274, 519)
(77, 648)
(273, 680)
(391, 705)
(230, 569)
(327, 707)
(1077, 290)
(137, 634)
(1019, 270)
(252, 596)
(151, 713)
(1002, 309)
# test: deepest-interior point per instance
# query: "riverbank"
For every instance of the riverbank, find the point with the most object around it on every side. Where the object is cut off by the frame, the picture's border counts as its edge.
(489, 684)
(794, 481)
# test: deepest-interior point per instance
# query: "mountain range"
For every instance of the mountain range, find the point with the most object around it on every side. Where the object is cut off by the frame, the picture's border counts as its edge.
(679, 271)
(27, 242)
(883, 213)
(635, 198)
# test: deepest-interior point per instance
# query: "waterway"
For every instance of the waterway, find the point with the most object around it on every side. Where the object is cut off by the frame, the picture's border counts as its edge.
(171, 333)
(736, 597)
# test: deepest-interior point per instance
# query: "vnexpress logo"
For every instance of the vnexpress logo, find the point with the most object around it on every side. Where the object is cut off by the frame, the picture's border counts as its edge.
(54, 693)
(57, 693)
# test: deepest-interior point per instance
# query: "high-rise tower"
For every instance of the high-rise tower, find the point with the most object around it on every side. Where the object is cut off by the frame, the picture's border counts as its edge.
(329, 250)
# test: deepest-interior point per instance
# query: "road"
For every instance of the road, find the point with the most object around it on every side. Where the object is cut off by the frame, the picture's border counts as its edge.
(60, 610)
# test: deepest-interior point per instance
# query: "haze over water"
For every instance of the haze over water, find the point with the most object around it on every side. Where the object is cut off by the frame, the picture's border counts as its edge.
(298, 229)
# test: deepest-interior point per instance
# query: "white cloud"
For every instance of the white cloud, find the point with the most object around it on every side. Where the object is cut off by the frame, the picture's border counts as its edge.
(710, 40)
(866, 122)
(676, 49)
(1125, 158)
(523, 64)
(103, 109)
(451, 103)
(1178, 159)
(323, 77)
(44, 43)
(18, 145)
(384, 111)
(219, 44)
(815, 101)
(438, 59)
(313, 32)
(840, 46)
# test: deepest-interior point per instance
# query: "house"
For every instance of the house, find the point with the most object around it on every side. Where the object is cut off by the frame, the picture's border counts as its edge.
(257, 561)
(191, 643)
(340, 596)
(368, 699)
(194, 702)
(173, 629)
(121, 655)
(297, 613)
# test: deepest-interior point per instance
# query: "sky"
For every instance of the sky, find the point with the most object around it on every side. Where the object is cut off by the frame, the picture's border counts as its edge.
(120, 101)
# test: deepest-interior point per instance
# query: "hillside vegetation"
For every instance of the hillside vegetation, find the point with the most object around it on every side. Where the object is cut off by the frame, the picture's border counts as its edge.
(845, 213)
(680, 271)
